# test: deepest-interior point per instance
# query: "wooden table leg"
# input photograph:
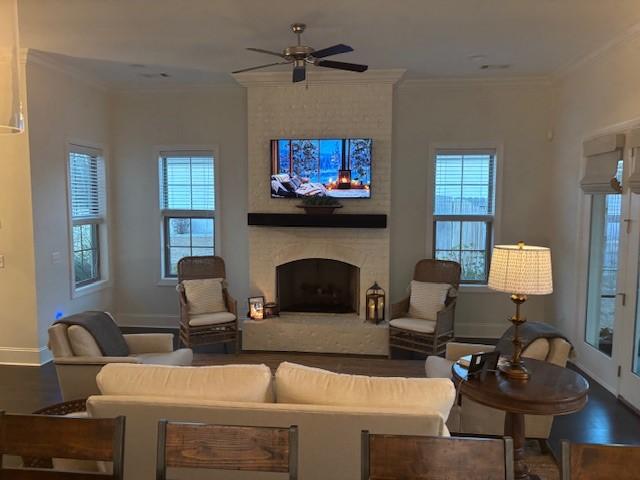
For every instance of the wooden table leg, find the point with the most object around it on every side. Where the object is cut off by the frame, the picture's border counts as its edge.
(514, 428)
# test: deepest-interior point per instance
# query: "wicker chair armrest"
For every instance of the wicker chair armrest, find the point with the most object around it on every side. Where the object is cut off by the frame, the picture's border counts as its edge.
(94, 360)
(400, 309)
(181, 295)
(231, 303)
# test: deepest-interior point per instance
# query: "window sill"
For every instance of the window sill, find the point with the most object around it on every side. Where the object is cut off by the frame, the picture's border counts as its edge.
(475, 289)
(89, 289)
(167, 282)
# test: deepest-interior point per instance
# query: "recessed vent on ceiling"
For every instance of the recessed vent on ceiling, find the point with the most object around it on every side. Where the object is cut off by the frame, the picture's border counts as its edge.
(495, 66)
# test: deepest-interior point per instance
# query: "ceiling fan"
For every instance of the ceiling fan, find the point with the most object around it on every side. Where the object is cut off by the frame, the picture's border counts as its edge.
(300, 55)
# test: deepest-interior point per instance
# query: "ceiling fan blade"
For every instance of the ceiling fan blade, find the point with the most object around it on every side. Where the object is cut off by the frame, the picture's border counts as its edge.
(260, 66)
(299, 74)
(352, 67)
(334, 50)
(268, 52)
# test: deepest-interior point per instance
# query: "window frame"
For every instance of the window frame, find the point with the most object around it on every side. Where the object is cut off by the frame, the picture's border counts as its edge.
(160, 152)
(493, 221)
(101, 221)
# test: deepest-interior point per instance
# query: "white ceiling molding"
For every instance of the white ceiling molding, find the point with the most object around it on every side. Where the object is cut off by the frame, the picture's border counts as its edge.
(31, 56)
(280, 79)
(627, 35)
(533, 80)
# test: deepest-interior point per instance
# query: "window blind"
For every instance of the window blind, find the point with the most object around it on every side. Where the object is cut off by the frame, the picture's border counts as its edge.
(187, 181)
(603, 154)
(86, 184)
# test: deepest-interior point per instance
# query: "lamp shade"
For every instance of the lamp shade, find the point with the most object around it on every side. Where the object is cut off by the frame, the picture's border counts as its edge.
(521, 269)
(11, 120)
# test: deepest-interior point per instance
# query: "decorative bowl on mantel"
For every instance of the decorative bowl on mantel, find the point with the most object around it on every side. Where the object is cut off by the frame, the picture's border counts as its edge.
(319, 209)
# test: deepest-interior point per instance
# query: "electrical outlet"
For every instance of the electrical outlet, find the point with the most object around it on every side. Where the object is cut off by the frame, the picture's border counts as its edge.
(1, 261)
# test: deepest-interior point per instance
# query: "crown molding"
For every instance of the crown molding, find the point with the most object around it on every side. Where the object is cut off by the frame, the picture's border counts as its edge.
(625, 36)
(38, 57)
(283, 79)
(533, 80)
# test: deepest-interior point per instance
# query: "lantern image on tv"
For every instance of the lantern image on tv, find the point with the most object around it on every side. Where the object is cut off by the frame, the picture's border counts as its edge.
(256, 308)
(344, 179)
(375, 304)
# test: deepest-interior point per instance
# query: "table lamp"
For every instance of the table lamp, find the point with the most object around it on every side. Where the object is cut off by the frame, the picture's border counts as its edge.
(520, 270)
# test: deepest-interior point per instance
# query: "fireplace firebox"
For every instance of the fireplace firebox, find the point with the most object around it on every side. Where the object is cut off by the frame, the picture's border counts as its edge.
(318, 285)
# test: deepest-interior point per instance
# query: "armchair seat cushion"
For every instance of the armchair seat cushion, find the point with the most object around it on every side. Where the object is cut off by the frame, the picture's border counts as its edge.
(427, 299)
(414, 324)
(211, 319)
(181, 357)
(204, 295)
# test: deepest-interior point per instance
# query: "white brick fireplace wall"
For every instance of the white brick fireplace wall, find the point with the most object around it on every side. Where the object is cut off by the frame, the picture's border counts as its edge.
(332, 105)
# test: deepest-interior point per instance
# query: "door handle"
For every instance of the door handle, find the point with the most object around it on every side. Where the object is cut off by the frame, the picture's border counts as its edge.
(624, 298)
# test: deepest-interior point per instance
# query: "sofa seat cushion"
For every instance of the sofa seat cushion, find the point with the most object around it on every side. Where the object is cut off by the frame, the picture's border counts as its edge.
(307, 385)
(414, 324)
(427, 299)
(232, 383)
(181, 357)
(82, 342)
(204, 295)
(211, 318)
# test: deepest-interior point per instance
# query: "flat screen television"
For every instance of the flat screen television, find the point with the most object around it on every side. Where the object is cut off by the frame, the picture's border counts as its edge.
(334, 167)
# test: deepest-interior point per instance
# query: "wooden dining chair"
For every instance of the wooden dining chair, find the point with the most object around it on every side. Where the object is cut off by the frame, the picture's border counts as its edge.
(47, 437)
(406, 457)
(226, 447)
(588, 461)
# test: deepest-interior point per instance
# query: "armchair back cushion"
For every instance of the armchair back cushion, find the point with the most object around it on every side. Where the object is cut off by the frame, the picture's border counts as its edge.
(427, 299)
(82, 342)
(59, 341)
(307, 385)
(232, 383)
(204, 295)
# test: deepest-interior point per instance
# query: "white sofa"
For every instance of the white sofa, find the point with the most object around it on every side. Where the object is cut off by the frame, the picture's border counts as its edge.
(329, 409)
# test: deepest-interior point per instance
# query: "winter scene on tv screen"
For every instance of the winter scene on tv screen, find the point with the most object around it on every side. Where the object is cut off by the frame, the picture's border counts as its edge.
(334, 167)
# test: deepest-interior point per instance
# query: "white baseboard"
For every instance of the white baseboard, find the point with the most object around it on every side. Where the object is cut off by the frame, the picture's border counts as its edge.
(480, 330)
(147, 320)
(602, 383)
(26, 357)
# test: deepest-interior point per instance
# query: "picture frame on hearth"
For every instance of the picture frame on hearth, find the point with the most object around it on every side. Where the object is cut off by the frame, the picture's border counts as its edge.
(256, 308)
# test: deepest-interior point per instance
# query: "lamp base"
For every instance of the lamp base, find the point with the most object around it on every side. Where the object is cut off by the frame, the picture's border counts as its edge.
(515, 371)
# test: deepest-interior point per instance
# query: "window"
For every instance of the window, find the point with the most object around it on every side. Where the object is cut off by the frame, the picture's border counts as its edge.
(187, 202)
(464, 209)
(86, 187)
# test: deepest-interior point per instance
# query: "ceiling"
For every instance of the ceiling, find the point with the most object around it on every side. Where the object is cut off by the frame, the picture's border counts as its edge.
(201, 41)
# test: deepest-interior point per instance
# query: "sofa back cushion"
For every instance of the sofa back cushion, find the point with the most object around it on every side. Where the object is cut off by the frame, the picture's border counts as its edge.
(307, 385)
(427, 299)
(232, 383)
(82, 342)
(59, 341)
(204, 295)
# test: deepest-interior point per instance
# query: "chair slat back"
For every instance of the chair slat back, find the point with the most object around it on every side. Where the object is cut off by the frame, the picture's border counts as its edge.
(408, 457)
(195, 268)
(438, 271)
(41, 436)
(590, 461)
(226, 447)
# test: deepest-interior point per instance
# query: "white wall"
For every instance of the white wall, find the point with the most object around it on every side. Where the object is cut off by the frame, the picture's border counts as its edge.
(18, 312)
(595, 95)
(63, 108)
(512, 115)
(141, 121)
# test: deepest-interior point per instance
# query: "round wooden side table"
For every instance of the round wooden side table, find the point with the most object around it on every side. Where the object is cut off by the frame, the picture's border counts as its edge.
(550, 390)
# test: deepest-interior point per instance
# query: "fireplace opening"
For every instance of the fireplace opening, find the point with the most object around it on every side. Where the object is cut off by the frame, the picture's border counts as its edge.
(318, 285)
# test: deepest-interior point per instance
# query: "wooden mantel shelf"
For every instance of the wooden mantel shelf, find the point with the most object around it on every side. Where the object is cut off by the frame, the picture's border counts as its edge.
(335, 220)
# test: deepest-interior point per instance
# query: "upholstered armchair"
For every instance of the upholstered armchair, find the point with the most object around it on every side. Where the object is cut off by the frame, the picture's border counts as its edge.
(78, 358)
(427, 335)
(471, 417)
(208, 312)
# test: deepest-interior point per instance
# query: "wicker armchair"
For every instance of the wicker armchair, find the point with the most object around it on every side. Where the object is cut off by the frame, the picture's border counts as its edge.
(429, 338)
(215, 330)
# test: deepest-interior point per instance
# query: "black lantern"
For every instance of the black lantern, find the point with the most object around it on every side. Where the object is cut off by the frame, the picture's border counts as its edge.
(344, 179)
(375, 304)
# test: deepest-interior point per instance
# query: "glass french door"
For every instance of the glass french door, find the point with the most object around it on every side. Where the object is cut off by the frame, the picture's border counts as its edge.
(612, 320)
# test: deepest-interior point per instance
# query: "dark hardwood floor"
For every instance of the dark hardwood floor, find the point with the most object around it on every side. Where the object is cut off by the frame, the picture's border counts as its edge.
(603, 420)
